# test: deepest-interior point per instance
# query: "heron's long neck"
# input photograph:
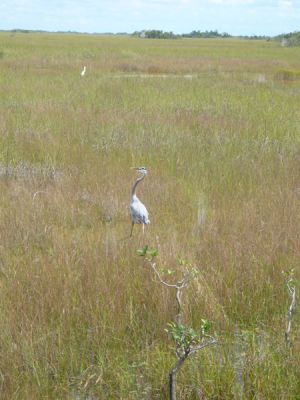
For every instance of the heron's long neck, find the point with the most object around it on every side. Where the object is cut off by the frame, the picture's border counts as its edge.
(136, 183)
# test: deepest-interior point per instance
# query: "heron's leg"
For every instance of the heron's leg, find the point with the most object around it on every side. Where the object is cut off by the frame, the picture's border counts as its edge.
(143, 229)
(132, 225)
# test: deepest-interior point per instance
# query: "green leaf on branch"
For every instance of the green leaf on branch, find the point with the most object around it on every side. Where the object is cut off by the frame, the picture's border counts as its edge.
(184, 336)
(152, 252)
(289, 276)
(142, 252)
(145, 251)
(167, 271)
(205, 326)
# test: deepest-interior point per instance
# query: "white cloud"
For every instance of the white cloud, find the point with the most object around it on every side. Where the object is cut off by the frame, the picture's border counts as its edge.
(285, 3)
(230, 2)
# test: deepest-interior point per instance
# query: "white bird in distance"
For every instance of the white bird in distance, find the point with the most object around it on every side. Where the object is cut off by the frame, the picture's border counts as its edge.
(82, 73)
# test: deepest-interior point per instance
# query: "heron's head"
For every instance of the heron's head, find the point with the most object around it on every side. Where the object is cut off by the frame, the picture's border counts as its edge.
(142, 170)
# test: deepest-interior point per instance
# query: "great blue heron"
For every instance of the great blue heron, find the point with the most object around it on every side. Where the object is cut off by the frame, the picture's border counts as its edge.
(82, 73)
(138, 212)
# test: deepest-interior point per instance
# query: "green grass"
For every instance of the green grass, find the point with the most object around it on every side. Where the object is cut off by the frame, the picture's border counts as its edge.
(79, 312)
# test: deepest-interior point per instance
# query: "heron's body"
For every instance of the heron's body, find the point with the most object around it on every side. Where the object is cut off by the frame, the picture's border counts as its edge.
(138, 211)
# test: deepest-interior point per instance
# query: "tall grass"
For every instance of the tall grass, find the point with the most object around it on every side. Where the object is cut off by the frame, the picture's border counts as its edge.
(217, 125)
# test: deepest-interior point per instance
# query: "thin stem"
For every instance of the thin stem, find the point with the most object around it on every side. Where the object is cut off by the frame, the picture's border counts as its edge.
(202, 345)
(159, 277)
(179, 286)
(292, 294)
(181, 360)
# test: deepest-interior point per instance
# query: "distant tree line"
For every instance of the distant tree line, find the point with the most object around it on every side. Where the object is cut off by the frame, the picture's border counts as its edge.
(206, 34)
(255, 37)
(289, 39)
(155, 34)
(159, 34)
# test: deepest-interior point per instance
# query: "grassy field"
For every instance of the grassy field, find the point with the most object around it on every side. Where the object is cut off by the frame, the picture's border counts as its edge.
(217, 124)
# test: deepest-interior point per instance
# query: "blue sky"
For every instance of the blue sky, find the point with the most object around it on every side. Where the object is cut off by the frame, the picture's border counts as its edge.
(246, 17)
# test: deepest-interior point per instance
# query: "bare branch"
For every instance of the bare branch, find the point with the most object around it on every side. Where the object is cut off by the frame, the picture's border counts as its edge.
(292, 294)
(187, 352)
(153, 266)
(181, 360)
(179, 286)
(203, 345)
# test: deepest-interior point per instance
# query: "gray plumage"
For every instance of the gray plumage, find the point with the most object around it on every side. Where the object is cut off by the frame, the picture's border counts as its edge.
(138, 212)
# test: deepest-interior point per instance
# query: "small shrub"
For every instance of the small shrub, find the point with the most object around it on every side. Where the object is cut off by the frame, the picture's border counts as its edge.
(287, 75)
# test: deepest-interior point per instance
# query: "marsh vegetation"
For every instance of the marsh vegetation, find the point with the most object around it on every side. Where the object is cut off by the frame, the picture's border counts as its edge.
(79, 316)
